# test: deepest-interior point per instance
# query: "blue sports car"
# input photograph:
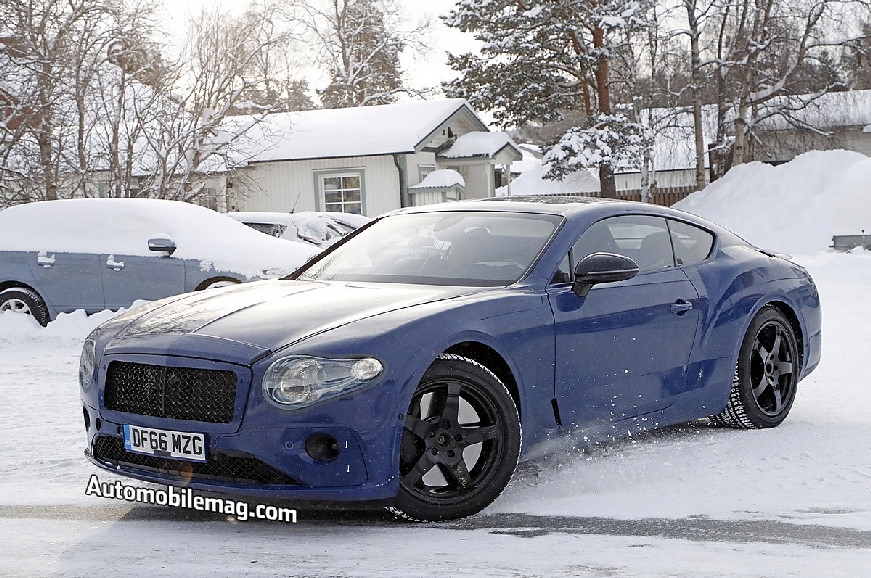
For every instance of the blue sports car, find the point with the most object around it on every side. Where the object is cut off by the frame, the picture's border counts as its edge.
(403, 364)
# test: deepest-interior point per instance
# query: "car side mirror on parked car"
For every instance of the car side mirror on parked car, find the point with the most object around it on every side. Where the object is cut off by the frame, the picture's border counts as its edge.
(602, 268)
(164, 244)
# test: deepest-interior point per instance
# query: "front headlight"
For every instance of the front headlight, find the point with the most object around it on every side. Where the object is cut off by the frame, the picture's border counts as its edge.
(87, 363)
(297, 381)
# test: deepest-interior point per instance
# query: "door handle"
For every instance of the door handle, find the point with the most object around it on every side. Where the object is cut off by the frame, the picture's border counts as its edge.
(681, 306)
(111, 263)
(45, 260)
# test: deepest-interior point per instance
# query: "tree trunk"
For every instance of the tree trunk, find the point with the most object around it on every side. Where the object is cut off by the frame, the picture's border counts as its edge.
(696, 75)
(603, 92)
(606, 180)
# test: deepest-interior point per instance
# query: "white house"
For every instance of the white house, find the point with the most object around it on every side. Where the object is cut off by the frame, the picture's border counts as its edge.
(368, 160)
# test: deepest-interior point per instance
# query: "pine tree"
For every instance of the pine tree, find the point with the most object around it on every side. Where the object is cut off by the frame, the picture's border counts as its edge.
(540, 57)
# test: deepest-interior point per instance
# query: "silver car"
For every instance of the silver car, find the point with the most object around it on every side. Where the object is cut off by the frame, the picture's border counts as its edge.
(95, 254)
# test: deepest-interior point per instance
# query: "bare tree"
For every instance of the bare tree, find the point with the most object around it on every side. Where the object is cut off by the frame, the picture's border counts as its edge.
(41, 40)
(191, 137)
(359, 43)
(762, 55)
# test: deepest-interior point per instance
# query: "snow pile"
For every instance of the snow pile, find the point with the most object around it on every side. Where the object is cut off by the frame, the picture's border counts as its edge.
(124, 226)
(17, 327)
(795, 207)
(532, 182)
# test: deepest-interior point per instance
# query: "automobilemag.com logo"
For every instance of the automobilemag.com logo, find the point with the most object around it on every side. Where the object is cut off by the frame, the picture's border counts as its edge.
(187, 498)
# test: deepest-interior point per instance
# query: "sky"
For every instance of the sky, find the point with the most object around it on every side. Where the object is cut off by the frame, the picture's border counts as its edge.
(423, 70)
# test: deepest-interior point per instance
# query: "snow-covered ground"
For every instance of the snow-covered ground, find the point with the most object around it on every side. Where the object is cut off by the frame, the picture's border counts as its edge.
(688, 501)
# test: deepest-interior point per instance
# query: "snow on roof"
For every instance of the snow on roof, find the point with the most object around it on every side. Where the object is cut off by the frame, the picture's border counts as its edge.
(441, 179)
(826, 111)
(531, 158)
(124, 226)
(532, 182)
(478, 144)
(352, 132)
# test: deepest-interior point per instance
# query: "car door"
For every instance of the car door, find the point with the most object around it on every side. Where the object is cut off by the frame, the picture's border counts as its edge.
(622, 350)
(68, 281)
(127, 278)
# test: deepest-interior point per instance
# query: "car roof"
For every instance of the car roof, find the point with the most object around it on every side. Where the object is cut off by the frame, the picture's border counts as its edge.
(568, 206)
(547, 204)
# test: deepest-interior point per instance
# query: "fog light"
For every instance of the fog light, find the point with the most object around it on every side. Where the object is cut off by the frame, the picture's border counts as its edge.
(87, 418)
(322, 447)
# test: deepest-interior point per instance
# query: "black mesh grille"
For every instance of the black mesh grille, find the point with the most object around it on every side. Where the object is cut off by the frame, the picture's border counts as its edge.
(207, 395)
(220, 467)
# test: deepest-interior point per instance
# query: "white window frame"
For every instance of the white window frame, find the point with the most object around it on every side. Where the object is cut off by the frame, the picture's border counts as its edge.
(320, 188)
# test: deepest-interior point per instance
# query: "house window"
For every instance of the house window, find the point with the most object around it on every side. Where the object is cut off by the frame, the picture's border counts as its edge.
(423, 171)
(342, 193)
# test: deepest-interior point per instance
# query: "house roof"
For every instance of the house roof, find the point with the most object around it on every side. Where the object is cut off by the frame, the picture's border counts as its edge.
(355, 132)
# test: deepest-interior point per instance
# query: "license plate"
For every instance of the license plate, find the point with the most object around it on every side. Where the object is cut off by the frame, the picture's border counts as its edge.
(175, 445)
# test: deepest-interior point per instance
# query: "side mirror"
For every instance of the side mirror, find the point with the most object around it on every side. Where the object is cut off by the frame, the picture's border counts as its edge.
(602, 268)
(164, 244)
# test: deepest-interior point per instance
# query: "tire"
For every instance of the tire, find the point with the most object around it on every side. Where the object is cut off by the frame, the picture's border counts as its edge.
(25, 301)
(460, 443)
(766, 375)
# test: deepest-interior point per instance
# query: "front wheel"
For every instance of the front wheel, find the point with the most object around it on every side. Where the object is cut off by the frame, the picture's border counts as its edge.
(460, 443)
(766, 375)
(25, 301)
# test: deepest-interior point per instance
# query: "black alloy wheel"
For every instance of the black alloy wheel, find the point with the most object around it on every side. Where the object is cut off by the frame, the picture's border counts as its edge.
(766, 376)
(460, 444)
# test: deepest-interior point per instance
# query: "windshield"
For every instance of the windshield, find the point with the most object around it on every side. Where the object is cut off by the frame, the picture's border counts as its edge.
(481, 249)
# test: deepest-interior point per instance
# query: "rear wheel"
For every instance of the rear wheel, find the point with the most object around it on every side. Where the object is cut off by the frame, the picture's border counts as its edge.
(460, 443)
(25, 301)
(766, 376)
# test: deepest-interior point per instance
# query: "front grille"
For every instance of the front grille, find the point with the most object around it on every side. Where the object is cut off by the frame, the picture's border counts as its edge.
(187, 393)
(220, 467)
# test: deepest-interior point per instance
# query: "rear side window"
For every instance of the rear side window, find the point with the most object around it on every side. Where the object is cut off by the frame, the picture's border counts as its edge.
(691, 244)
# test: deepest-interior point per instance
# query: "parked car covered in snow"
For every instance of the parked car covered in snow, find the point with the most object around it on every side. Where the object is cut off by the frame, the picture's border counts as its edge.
(95, 254)
(321, 229)
(406, 362)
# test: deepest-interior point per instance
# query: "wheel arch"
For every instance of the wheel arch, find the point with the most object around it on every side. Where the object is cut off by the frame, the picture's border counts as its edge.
(4, 285)
(492, 360)
(794, 322)
(217, 279)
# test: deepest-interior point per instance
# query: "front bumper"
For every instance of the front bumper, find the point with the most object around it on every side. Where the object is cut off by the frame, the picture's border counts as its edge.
(261, 451)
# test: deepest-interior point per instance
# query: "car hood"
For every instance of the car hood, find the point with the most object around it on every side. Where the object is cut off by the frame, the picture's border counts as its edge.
(245, 322)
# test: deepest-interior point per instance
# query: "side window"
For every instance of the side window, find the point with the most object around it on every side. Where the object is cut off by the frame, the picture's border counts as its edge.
(642, 238)
(691, 244)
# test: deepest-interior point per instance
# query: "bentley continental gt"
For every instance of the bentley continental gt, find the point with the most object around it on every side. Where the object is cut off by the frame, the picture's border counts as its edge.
(405, 364)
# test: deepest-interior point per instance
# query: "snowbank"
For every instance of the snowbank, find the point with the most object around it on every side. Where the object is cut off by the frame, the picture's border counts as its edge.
(17, 327)
(532, 182)
(795, 207)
